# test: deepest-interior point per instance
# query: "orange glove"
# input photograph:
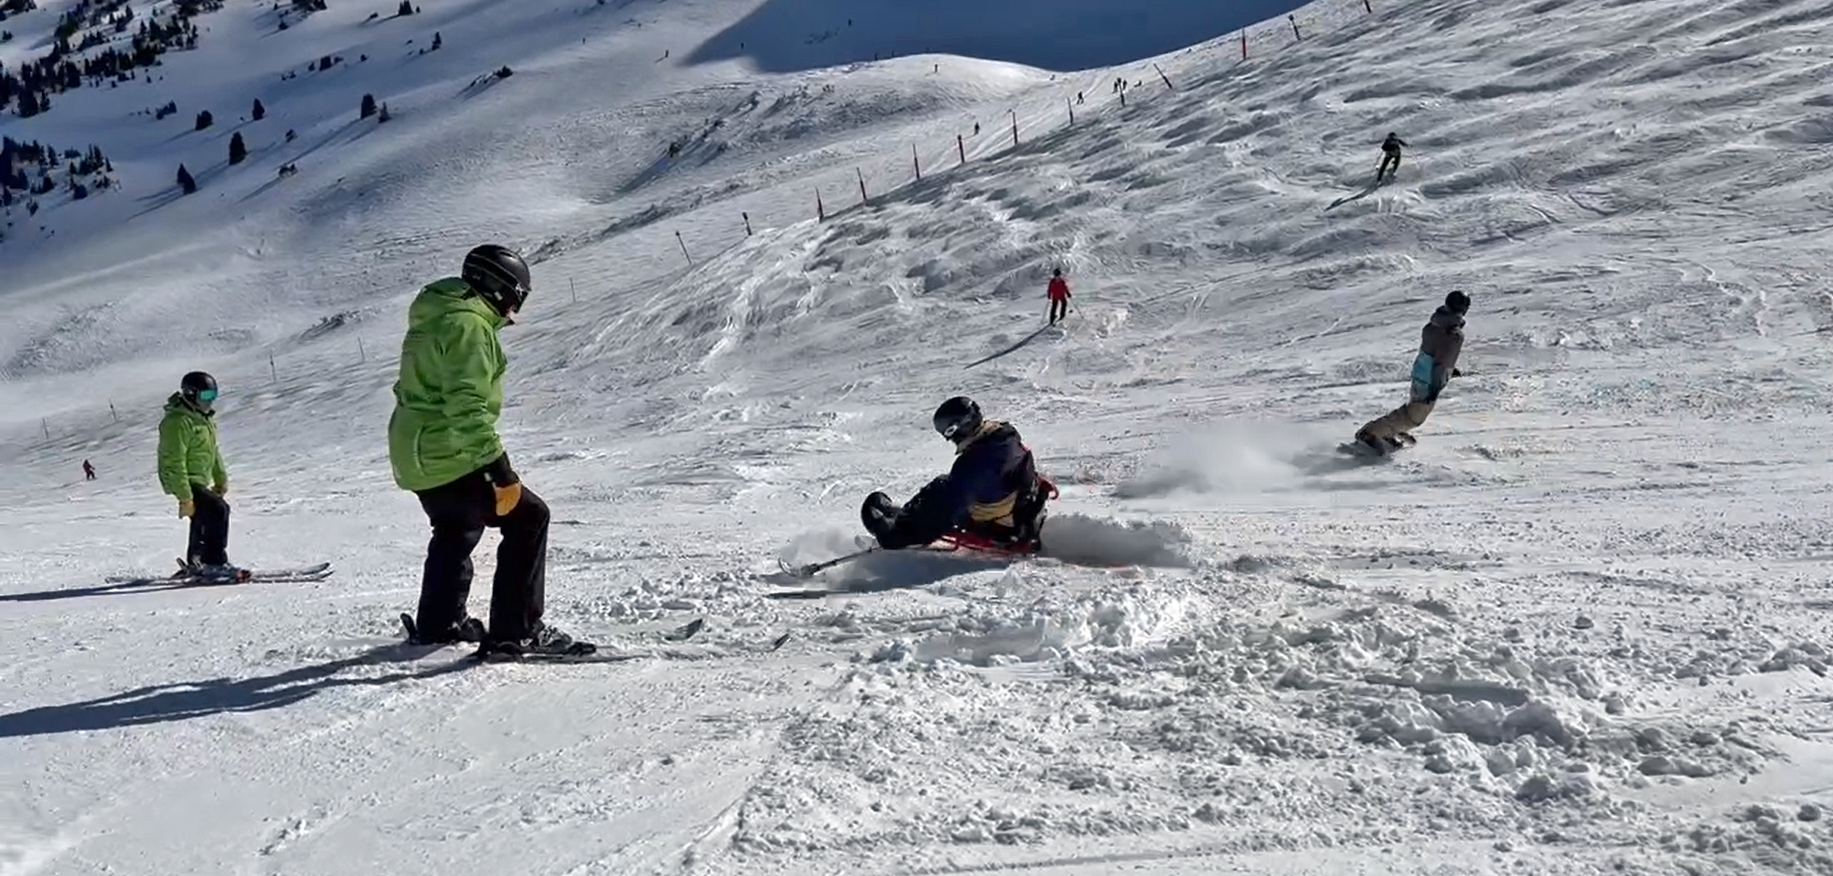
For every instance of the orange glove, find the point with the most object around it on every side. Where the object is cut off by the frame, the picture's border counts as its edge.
(503, 480)
(507, 498)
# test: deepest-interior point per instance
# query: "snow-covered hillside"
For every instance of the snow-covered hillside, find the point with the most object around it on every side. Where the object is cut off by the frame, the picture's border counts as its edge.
(1582, 627)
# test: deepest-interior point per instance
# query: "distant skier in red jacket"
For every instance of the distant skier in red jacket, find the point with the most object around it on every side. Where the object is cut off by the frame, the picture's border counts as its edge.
(1059, 296)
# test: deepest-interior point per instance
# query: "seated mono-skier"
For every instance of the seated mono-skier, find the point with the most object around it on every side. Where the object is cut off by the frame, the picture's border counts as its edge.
(992, 497)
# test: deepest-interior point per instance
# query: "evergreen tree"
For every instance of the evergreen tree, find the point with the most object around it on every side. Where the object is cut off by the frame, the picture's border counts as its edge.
(205, 120)
(238, 150)
(260, 112)
(369, 105)
(185, 181)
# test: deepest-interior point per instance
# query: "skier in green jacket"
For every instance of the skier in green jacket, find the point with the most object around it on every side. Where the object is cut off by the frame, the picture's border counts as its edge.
(443, 446)
(191, 470)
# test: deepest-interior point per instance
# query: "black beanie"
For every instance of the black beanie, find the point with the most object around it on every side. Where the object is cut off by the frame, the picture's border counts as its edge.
(1457, 302)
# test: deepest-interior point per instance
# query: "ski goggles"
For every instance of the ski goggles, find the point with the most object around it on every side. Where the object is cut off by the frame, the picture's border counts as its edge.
(206, 395)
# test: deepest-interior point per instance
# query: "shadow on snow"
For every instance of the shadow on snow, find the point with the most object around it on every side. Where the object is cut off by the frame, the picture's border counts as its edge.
(782, 36)
(158, 704)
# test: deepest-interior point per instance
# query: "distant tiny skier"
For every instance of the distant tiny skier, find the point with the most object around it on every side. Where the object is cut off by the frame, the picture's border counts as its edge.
(88, 471)
(1390, 155)
(191, 470)
(1058, 293)
(443, 446)
(1441, 341)
(992, 496)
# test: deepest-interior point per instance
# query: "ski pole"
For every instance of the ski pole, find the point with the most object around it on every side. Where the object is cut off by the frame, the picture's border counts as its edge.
(812, 568)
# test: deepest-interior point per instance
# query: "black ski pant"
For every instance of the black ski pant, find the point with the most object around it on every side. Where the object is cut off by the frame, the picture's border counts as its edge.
(1388, 158)
(209, 544)
(1058, 310)
(459, 512)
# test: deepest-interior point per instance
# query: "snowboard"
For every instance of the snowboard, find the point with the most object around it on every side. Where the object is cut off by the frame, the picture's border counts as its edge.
(1356, 448)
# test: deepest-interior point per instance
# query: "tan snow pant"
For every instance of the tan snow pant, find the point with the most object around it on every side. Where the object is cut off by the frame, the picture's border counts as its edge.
(1405, 418)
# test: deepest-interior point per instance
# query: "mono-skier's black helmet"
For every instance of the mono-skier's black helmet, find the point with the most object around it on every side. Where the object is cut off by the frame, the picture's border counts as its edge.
(498, 275)
(958, 418)
(199, 389)
(1457, 302)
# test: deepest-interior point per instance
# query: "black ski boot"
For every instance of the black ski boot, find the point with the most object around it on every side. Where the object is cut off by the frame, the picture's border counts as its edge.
(548, 641)
(468, 630)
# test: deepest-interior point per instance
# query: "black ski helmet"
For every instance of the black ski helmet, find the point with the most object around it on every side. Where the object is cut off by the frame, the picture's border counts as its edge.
(199, 389)
(498, 275)
(1457, 302)
(958, 418)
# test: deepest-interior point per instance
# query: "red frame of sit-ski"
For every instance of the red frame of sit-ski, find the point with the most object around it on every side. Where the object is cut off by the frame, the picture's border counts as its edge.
(969, 541)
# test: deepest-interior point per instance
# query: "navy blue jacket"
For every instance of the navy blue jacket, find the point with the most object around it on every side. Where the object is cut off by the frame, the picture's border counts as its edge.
(990, 469)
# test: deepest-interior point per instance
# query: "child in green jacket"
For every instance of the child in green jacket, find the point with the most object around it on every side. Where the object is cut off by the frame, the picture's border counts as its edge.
(191, 470)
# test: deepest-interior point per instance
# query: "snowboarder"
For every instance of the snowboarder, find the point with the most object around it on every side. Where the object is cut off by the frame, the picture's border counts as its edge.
(1390, 154)
(1058, 292)
(992, 496)
(88, 471)
(191, 470)
(1440, 343)
(443, 446)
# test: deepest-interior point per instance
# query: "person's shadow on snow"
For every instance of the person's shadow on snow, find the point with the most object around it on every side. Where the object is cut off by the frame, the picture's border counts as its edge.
(126, 588)
(158, 704)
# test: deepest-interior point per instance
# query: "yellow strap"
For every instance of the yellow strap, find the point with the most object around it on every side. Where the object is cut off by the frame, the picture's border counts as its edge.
(994, 512)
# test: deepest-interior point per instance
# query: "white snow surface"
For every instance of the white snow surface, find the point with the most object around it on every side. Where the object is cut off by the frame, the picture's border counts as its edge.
(1582, 627)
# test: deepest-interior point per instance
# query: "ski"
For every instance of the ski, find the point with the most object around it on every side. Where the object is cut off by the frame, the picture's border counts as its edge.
(186, 578)
(567, 657)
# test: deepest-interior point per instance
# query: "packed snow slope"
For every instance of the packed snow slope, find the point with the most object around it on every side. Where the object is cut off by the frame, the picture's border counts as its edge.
(1583, 627)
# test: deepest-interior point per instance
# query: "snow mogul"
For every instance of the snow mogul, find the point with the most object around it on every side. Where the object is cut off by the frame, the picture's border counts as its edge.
(191, 470)
(991, 499)
(1440, 343)
(444, 448)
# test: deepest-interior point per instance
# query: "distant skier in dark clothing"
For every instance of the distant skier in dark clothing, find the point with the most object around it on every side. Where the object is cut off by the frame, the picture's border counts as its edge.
(88, 471)
(1390, 155)
(1440, 343)
(991, 496)
(1058, 292)
(443, 446)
